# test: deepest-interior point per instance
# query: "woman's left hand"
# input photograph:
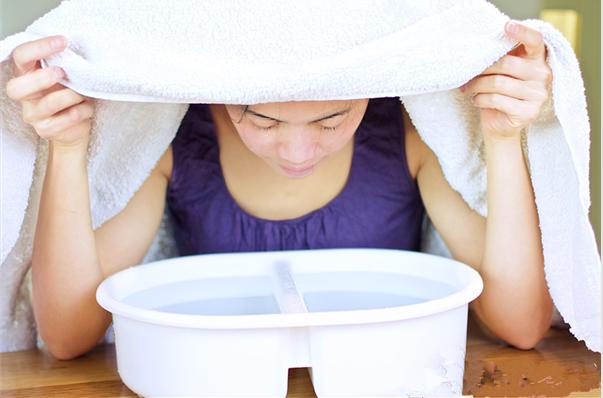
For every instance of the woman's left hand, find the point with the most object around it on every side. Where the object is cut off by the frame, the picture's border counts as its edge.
(511, 92)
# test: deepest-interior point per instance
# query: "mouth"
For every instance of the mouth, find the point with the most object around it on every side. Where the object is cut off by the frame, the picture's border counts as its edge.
(297, 171)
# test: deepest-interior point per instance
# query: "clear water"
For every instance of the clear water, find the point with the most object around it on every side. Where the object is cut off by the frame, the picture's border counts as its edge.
(225, 306)
(210, 296)
(349, 291)
(349, 301)
(337, 291)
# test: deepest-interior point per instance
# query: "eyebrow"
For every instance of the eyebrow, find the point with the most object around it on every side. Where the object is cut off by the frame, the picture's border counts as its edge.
(342, 112)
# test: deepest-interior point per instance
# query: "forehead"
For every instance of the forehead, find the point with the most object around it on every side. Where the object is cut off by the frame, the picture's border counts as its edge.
(302, 111)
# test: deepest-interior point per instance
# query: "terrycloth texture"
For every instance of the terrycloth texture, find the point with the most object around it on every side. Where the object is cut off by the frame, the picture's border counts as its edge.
(379, 207)
(158, 56)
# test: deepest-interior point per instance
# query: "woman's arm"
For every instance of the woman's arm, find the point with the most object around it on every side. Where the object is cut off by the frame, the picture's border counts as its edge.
(506, 247)
(70, 260)
(513, 263)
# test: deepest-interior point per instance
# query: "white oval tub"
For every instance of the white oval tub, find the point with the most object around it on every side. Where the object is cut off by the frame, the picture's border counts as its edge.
(367, 322)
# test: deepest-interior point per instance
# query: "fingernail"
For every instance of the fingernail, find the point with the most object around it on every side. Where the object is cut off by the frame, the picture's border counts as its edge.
(513, 27)
(462, 88)
(59, 72)
(58, 42)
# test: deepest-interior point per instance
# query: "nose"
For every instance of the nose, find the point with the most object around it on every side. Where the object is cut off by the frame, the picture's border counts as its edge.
(297, 146)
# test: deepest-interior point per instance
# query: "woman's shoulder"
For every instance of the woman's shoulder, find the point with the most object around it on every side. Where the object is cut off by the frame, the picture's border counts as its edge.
(165, 164)
(417, 152)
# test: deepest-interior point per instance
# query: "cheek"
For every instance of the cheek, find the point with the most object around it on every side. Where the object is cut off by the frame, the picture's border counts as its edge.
(333, 142)
(258, 143)
(265, 144)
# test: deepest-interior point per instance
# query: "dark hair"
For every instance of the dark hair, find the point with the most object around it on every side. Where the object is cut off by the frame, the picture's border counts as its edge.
(243, 113)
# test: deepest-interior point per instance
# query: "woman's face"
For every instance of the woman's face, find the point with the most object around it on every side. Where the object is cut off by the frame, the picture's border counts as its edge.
(294, 137)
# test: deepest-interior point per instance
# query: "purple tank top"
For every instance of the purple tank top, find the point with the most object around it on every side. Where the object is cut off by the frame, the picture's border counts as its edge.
(379, 206)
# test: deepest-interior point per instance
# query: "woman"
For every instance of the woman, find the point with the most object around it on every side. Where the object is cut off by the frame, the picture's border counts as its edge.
(284, 176)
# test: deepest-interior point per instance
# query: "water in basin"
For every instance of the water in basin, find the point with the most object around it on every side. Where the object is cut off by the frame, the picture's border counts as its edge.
(325, 291)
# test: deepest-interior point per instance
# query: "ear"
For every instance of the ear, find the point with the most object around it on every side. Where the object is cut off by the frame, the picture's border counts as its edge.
(235, 112)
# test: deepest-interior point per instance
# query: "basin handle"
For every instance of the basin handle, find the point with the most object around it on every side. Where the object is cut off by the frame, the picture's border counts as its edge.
(287, 295)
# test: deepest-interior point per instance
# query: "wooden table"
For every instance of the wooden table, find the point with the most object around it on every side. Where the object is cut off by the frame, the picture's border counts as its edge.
(558, 366)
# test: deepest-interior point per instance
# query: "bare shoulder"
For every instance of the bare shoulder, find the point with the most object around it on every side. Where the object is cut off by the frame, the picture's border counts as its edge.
(165, 164)
(417, 152)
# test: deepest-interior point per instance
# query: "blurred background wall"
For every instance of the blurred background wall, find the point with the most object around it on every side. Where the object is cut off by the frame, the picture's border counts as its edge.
(15, 15)
(579, 20)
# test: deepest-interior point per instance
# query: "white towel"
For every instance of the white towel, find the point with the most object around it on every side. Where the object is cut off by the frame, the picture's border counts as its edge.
(146, 60)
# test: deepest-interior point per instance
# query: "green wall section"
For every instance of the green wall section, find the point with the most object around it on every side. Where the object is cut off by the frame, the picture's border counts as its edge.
(16, 15)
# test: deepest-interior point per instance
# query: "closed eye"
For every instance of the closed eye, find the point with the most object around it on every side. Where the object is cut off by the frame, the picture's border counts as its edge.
(326, 128)
(267, 128)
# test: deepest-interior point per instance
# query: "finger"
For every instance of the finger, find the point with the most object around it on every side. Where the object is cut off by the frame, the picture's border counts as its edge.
(48, 128)
(27, 55)
(531, 39)
(511, 87)
(31, 85)
(50, 104)
(74, 133)
(516, 67)
(512, 107)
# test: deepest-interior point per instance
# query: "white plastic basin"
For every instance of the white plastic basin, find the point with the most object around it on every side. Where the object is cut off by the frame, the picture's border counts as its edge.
(367, 322)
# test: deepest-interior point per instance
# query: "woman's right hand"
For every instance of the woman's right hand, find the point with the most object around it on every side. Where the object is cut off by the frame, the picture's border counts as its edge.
(57, 113)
